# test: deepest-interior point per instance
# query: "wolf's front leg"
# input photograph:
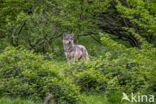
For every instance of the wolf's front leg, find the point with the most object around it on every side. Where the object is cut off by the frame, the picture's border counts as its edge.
(68, 58)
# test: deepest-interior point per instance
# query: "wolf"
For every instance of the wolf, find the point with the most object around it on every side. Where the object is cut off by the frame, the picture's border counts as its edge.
(72, 51)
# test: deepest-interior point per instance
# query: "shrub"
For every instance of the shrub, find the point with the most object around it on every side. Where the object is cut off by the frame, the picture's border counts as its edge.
(89, 76)
(134, 67)
(24, 73)
(91, 80)
(121, 68)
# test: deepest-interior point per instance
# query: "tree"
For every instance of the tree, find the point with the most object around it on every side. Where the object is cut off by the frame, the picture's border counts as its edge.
(130, 19)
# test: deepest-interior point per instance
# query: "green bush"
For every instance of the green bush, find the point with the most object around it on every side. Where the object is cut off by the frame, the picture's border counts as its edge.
(24, 73)
(134, 67)
(91, 80)
(89, 76)
(121, 68)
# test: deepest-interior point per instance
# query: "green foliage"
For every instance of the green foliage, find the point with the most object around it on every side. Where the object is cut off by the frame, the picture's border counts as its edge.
(121, 68)
(89, 76)
(93, 99)
(24, 73)
(7, 100)
(81, 15)
(141, 15)
(134, 67)
(91, 80)
(38, 26)
(139, 12)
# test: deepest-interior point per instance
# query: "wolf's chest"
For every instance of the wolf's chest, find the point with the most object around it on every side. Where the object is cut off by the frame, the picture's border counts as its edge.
(70, 53)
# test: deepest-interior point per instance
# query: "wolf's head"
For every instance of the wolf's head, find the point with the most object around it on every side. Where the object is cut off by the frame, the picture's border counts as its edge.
(68, 38)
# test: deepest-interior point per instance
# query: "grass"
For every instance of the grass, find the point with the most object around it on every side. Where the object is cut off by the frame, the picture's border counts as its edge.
(105, 98)
(94, 99)
(91, 98)
(9, 100)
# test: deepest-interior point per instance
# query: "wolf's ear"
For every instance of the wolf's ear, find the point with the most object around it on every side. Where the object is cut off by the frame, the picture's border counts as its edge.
(72, 34)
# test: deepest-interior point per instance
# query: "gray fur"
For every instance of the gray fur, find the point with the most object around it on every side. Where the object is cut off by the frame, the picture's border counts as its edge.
(76, 52)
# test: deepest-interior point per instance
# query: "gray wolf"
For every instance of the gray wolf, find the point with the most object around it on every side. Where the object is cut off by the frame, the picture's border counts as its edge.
(72, 51)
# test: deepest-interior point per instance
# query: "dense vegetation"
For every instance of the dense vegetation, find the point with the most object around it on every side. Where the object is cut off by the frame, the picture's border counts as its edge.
(120, 36)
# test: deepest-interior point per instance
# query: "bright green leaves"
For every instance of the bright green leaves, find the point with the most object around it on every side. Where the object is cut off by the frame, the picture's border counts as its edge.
(111, 43)
(131, 63)
(24, 73)
(139, 13)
